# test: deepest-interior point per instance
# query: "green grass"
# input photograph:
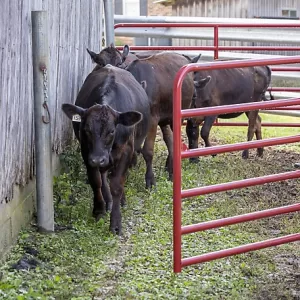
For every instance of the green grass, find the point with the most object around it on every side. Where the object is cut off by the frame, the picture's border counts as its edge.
(88, 262)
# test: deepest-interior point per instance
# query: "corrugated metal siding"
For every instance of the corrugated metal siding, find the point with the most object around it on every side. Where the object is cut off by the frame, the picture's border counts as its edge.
(73, 26)
(209, 8)
(233, 9)
(271, 8)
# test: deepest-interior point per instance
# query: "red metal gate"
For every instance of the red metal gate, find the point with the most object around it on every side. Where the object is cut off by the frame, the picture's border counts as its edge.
(216, 48)
(179, 194)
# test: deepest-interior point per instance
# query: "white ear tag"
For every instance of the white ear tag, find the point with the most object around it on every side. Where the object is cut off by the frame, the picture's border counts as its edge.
(76, 118)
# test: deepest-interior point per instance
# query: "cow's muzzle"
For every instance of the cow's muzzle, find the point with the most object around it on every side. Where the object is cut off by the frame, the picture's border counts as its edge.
(99, 161)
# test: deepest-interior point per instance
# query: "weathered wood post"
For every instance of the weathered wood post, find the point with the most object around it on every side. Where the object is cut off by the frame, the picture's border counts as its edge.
(40, 62)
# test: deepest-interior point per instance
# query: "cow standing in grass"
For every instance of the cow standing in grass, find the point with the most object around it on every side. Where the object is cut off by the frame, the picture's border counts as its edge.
(114, 111)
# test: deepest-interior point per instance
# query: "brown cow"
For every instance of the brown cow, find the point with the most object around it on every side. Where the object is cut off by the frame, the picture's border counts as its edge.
(159, 72)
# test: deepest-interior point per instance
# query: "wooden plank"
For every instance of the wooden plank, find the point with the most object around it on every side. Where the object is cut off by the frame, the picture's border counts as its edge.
(72, 26)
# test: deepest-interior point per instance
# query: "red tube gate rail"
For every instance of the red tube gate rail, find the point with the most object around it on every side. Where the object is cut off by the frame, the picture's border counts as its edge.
(216, 48)
(179, 194)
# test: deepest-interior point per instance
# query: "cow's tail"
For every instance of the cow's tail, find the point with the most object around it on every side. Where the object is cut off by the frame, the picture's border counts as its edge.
(269, 81)
(264, 98)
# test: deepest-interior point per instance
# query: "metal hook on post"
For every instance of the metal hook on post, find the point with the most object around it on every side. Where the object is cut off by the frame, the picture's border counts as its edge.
(45, 119)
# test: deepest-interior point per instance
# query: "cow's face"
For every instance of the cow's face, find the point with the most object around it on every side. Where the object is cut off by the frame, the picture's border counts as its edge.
(98, 129)
(111, 56)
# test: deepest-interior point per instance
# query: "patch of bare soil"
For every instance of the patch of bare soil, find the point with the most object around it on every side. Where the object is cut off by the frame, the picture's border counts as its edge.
(284, 282)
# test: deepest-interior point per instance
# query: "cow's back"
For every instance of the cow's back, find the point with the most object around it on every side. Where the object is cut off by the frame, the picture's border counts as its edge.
(232, 86)
(159, 72)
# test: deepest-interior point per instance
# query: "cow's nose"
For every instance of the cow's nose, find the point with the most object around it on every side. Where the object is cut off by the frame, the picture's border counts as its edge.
(98, 161)
(95, 161)
(102, 161)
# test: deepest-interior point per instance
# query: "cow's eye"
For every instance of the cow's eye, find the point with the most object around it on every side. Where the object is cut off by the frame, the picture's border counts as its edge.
(112, 132)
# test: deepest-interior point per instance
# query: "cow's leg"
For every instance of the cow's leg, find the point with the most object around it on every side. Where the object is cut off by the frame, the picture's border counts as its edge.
(205, 130)
(252, 120)
(95, 181)
(192, 132)
(133, 161)
(106, 191)
(117, 181)
(123, 197)
(148, 151)
(260, 151)
(168, 139)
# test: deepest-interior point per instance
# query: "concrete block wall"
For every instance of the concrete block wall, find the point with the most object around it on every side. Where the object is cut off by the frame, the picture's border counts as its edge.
(17, 213)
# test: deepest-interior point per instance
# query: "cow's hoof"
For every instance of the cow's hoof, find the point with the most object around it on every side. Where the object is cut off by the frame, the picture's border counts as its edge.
(245, 154)
(260, 152)
(123, 201)
(109, 206)
(115, 228)
(194, 160)
(150, 182)
(98, 215)
(133, 162)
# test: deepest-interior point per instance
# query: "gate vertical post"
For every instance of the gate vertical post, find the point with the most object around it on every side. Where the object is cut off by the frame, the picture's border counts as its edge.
(177, 170)
(216, 41)
(40, 62)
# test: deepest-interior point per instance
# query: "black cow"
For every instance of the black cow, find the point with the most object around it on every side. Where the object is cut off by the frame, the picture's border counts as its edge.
(159, 72)
(224, 87)
(114, 112)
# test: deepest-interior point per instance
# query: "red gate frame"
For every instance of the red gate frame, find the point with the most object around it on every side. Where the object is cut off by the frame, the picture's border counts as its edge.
(216, 48)
(179, 194)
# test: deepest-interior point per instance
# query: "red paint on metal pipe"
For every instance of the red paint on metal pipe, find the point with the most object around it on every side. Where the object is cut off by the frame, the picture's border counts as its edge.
(178, 114)
(291, 125)
(220, 25)
(177, 173)
(241, 249)
(240, 146)
(240, 219)
(212, 48)
(284, 89)
(216, 42)
(225, 109)
(222, 187)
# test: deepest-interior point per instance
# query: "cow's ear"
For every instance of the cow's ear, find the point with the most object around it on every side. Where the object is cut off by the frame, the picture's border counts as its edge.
(195, 59)
(129, 118)
(92, 54)
(125, 52)
(202, 83)
(71, 110)
(144, 84)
